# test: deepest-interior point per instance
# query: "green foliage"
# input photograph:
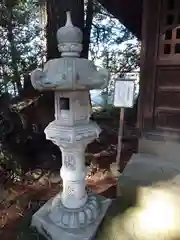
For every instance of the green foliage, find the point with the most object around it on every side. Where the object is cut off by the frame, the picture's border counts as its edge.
(22, 48)
(111, 43)
(108, 112)
(113, 47)
(20, 45)
(9, 162)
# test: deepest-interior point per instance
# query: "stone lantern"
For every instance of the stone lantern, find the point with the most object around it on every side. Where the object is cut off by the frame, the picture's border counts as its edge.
(74, 213)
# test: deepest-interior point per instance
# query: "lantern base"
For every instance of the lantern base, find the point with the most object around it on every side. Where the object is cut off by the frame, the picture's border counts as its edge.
(46, 227)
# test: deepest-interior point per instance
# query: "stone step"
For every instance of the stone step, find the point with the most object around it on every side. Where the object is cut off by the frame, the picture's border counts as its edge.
(148, 207)
(146, 169)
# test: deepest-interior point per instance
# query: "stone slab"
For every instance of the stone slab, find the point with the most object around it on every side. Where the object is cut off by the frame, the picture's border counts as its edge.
(50, 231)
(155, 216)
(147, 169)
(154, 212)
(164, 145)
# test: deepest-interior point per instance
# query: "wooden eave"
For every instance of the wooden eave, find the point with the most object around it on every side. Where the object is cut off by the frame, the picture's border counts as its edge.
(127, 11)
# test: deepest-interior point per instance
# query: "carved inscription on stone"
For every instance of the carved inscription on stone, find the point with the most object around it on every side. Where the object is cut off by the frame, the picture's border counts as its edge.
(84, 133)
(70, 190)
(70, 162)
(65, 138)
(81, 105)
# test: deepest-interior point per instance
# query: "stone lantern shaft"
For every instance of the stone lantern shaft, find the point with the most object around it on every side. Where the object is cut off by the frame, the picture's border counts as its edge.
(73, 213)
(73, 173)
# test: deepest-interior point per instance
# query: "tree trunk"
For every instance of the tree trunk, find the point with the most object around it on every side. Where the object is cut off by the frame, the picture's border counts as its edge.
(56, 17)
(87, 29)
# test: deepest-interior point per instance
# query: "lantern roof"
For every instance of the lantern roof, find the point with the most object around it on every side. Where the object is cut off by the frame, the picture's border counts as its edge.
(70, 72)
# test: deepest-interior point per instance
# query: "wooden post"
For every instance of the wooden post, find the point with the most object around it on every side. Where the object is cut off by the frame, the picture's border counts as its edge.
(120, 137)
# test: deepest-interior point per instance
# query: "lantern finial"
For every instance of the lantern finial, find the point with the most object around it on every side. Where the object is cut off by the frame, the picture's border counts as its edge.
(68, 21)
(69, 39)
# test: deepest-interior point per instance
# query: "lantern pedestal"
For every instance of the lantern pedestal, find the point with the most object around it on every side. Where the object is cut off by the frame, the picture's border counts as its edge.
(45, 226)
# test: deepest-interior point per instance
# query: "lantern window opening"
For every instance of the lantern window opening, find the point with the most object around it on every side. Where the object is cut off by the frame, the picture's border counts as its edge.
(64, 103)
